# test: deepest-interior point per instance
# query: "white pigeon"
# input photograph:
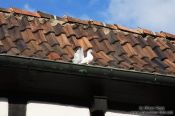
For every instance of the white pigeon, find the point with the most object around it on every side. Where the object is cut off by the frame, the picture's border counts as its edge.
(88, 58)
(78, 56)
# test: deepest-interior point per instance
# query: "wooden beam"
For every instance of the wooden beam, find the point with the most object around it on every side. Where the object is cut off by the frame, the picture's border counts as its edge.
(99, 106)
(17, 107)
(97, 113)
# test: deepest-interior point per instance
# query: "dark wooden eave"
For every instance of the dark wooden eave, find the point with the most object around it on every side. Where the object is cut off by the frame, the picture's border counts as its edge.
(66, 83)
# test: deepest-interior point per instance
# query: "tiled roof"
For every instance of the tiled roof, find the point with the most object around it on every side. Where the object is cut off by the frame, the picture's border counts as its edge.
(41, 35)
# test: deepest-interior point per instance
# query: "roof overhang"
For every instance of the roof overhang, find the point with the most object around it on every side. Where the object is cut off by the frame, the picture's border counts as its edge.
(44, 80)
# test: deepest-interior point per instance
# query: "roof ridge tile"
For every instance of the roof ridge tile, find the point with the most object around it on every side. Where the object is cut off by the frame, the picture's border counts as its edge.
(24, 12)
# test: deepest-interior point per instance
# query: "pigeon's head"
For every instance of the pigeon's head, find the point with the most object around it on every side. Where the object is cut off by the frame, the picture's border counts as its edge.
(90, 51)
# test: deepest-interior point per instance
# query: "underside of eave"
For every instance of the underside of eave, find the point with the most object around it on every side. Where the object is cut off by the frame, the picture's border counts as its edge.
(89, 71)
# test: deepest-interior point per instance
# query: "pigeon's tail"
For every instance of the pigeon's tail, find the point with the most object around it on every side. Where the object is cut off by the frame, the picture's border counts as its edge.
(78, 56)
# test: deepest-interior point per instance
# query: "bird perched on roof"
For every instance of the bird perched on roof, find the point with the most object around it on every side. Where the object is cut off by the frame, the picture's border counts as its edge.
(88, 58)
(80, 59)
(78, 56)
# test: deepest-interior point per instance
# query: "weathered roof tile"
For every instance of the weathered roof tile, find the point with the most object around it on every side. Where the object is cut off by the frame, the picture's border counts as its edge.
(46, 36)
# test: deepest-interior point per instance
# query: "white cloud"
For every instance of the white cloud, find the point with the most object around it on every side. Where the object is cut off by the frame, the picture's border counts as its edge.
(152, 14)
(28, 7)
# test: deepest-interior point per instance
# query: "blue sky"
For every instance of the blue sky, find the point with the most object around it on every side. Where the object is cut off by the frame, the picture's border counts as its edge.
(86, 9)
(156, 15)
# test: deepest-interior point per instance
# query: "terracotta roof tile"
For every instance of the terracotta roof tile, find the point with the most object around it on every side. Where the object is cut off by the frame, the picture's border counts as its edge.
(4, 32)
(2, 19)
(151, 42)
(162, 44)
(4, 10)
(128, 29)
(97, 45)
(8, 44)
(58, 49)
(132, 39)
(161, 64)
(51, 39)
(160, 35)
(122, 38)
(85, 43)
(129, 50)
(111, 26)
(142, 41)
(44, 15)
(96, 23)
(69, 51)
(107, 47)
(119, 50)
(28, 34)
(104, 56)
(14, 51)
(46, 47)
(101, 35)
(149, 52)
(63, 41)
(53, 56)
(159, 53)
(21, 45)
(146, 31)
(168, 35)
(112, 37)
(74, 42)
(138, 49)
(40, 36)
(172, 47)
(24, 12)
(170, 55)
(13, 22)
(75, 20)
(69, 31)
(59, 29)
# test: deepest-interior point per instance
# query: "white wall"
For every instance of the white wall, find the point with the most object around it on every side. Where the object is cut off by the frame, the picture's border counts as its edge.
(45, 109)
(41, 109)
(118, 114)
(3, 107)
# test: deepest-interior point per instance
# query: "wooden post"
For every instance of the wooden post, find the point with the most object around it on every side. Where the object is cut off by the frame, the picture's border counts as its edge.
(99, 106)
(17, 107)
